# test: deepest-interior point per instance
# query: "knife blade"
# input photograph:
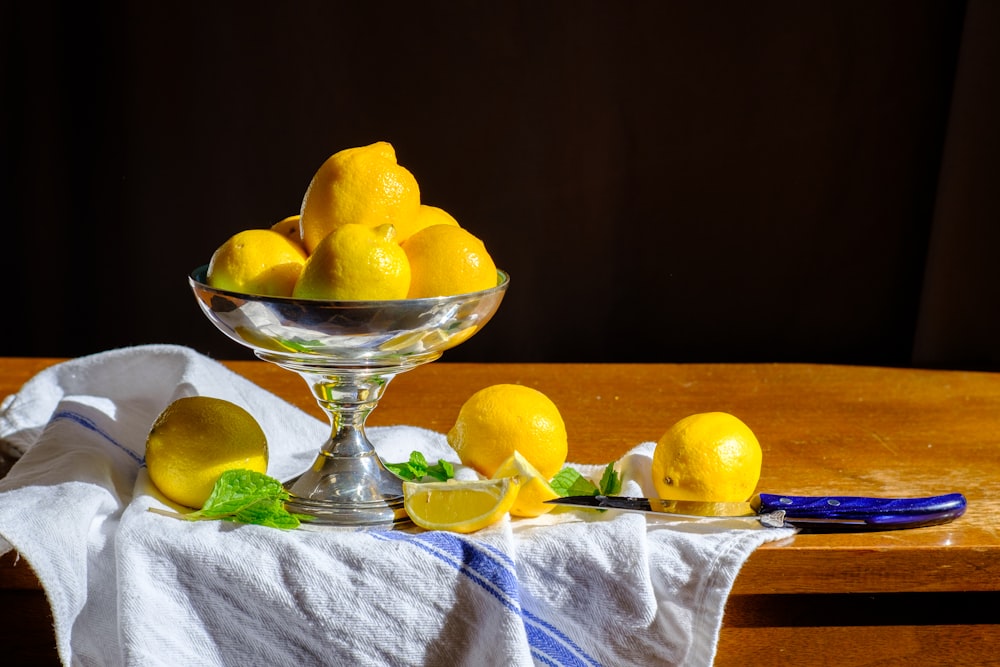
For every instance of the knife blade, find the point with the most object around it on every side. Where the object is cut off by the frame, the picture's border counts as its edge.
(809, 513)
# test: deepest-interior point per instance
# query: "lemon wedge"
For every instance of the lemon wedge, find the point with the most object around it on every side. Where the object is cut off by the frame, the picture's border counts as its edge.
(459, 506)
(534, 488)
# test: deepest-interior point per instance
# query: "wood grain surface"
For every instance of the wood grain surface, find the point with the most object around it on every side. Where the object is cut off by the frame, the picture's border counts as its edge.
(924, 596)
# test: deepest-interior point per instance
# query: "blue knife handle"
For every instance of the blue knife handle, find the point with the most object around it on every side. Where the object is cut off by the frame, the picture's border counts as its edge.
(860, 513)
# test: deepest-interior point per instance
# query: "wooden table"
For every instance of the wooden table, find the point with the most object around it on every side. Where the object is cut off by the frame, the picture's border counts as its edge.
(924, 596)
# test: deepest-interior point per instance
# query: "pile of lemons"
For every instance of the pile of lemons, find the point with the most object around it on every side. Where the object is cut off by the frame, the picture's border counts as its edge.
(362, 234)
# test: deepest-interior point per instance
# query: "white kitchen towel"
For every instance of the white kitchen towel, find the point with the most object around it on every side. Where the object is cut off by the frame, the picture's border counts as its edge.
(131, 587)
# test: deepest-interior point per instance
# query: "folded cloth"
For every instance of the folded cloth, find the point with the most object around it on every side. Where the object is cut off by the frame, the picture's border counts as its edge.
(132, 587)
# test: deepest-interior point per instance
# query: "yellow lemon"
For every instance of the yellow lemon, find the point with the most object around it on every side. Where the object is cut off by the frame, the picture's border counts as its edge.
(196, 439)
(289, 228)
(710, 456)
(356, 263)
(534, 488)
(500, 419)
(363, 185)
(257, 261)
(447, 260)
(428, 215)
(461, 507)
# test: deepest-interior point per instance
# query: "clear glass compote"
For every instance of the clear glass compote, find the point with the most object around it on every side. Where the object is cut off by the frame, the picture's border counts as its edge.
(347, 352)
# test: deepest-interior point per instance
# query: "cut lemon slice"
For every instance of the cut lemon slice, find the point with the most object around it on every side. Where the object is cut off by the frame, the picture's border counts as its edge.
(461, 507)
(534, 488)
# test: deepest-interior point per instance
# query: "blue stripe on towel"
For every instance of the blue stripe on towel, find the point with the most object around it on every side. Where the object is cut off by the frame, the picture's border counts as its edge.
(495, 573)
(90, 425)
(545, 640)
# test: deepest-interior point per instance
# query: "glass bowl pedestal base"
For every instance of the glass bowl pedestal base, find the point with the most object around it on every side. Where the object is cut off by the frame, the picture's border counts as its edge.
(347, 484)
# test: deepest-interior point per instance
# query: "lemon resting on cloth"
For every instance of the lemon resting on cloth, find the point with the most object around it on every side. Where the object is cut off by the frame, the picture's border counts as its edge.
(194, 440)
(500, 419)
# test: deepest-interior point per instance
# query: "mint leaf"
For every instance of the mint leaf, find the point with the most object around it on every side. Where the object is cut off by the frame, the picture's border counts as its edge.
(443, 471)
(245, 496)
(237, 489)
(569, 482)
(611, 481)
(416, 468)
(400, 470)
(271, 513)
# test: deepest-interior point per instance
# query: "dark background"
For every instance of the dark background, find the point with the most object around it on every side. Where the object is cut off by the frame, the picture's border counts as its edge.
(665, 181)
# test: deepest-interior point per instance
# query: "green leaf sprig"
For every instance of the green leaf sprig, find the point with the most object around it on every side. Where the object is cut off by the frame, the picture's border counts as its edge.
(611, 481)
(417, 468)
(569, 482)
(245, 496)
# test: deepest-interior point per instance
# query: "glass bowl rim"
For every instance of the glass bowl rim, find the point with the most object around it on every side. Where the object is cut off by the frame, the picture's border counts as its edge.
(198, 278)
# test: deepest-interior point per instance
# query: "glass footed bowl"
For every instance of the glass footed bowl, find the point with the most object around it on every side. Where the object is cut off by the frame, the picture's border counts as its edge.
(347, 352)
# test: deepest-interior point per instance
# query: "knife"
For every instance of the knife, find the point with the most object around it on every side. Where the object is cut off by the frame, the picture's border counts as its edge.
(808, 513)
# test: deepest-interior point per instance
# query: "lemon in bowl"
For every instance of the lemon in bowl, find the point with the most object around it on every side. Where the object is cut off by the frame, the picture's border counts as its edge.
(355, 263)
(361, 185)
(257, 261)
